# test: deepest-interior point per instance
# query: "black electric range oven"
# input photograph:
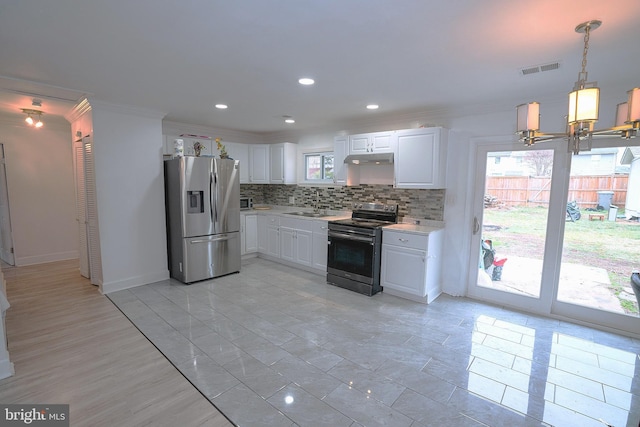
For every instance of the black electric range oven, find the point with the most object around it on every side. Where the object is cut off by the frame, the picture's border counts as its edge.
(355, 247)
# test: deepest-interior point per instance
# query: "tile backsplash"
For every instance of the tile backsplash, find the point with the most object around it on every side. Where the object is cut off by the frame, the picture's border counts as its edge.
(428, 204)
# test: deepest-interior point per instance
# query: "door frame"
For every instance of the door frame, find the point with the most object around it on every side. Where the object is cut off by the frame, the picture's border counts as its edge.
(542, 304)
(547, 304)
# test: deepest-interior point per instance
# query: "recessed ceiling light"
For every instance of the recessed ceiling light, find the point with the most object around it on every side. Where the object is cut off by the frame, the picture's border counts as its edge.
(373, 107)
(289, 120)
(306, 81)
(222, 106)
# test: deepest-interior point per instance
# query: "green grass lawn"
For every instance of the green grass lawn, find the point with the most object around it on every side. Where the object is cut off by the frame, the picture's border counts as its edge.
(612, 245)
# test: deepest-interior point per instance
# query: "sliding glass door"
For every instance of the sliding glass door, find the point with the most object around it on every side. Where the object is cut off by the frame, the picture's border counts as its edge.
(555, 233)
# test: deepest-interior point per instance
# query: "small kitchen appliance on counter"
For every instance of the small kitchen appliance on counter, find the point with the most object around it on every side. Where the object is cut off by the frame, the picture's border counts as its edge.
(246, 203)
(202, 196)
(355, 246)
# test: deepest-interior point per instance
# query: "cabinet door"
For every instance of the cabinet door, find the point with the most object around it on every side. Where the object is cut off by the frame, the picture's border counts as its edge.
(287, 244)
(239, 152)
(359, 144)
(418, 161)
(273, 241)
(381, 142)
(276, 171)
(303, 247)
(319, 242)
(251, 233)
(403, 269)
(263, 225)
(259, 164)
(282, 169)
(340, 151)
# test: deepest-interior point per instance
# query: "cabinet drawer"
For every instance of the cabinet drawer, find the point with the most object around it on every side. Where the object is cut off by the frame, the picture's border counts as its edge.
(405, 240)
(289, 222)
(273, 220)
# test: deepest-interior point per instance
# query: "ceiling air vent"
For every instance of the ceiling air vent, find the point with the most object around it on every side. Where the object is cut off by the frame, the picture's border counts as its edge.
(539, 68)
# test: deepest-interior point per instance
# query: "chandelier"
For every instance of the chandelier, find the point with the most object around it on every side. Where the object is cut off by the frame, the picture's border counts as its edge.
(583, 110)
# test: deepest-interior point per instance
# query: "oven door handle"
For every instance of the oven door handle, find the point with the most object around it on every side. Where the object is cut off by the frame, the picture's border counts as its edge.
(351, 237)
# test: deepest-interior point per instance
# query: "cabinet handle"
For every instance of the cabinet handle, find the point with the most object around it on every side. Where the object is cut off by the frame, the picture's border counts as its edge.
(403, 240)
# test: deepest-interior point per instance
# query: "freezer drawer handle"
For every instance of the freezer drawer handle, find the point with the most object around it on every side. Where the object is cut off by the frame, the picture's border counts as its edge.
(214, 239)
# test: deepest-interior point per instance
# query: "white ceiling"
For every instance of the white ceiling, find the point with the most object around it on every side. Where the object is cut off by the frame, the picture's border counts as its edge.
(182, 57)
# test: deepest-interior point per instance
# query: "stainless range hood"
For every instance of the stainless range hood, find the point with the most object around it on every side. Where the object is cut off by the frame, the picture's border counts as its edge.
(373, 158)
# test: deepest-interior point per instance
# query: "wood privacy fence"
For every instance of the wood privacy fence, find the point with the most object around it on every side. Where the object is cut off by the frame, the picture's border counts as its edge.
(534, 191)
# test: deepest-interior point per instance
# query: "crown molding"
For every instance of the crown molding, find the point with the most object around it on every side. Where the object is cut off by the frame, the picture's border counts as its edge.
(79, 110)
(97, 104)
(231, 135)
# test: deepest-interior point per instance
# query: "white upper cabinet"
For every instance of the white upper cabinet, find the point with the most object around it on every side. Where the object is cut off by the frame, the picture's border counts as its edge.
(340, 152)
(239, 152)
(283, 163)
(259, 164)
(376, 142)
(421, 157)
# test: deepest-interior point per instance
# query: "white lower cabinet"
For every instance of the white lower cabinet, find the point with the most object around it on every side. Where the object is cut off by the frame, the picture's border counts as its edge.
(412, 264)
(295, 240)
(248, 233)
(269, 235)
(319, 242)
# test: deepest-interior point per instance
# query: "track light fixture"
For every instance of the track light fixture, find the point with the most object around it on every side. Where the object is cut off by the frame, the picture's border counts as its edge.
(583, 110)
(34, 117)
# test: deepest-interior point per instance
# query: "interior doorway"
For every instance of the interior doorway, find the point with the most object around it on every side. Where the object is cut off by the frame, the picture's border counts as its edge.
(6, 236)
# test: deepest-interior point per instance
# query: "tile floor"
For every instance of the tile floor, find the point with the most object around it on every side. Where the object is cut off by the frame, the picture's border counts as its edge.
(276, 346)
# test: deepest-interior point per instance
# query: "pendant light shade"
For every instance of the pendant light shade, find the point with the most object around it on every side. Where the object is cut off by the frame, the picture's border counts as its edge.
(622, 114)
(583, 105)
(528, 117)
(634, 105)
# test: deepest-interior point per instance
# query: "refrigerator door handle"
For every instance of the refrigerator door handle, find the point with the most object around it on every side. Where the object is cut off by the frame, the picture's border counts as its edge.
(211, 177)
(213, 239)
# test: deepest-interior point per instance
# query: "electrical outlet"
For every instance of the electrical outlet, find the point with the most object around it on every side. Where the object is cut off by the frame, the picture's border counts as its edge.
(292, 200)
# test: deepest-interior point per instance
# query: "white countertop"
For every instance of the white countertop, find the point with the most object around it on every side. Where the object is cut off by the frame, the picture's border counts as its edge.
(284, 210)
(408, 225)
(424, 227)
(413, 228)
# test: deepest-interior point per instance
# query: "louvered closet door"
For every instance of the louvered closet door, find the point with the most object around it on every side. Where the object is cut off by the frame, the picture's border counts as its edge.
(81, 209)
(95, 260)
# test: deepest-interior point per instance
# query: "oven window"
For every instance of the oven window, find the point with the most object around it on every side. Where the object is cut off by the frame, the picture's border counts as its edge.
(351, 256)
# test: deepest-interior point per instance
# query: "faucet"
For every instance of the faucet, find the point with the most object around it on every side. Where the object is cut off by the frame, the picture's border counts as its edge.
(317, 203)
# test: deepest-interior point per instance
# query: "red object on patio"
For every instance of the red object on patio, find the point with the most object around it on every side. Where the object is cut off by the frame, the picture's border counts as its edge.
(499, 262)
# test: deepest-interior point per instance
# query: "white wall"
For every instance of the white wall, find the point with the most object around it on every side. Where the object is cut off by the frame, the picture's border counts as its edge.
(41, 191)
(130, 192)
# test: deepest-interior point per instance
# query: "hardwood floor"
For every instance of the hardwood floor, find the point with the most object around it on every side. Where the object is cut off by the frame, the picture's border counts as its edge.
(71, 345)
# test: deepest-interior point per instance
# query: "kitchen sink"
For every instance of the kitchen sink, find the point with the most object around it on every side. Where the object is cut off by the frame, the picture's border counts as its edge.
(307, 214)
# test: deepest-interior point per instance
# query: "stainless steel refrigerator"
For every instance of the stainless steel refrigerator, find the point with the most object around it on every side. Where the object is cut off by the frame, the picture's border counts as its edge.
(202, 197)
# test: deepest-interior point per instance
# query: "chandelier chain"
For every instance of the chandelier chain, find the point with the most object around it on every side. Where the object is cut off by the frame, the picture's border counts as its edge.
(583, 74)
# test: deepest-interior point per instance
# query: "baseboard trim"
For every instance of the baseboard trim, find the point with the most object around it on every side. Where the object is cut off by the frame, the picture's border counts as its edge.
(42, 259)
(132, 282)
